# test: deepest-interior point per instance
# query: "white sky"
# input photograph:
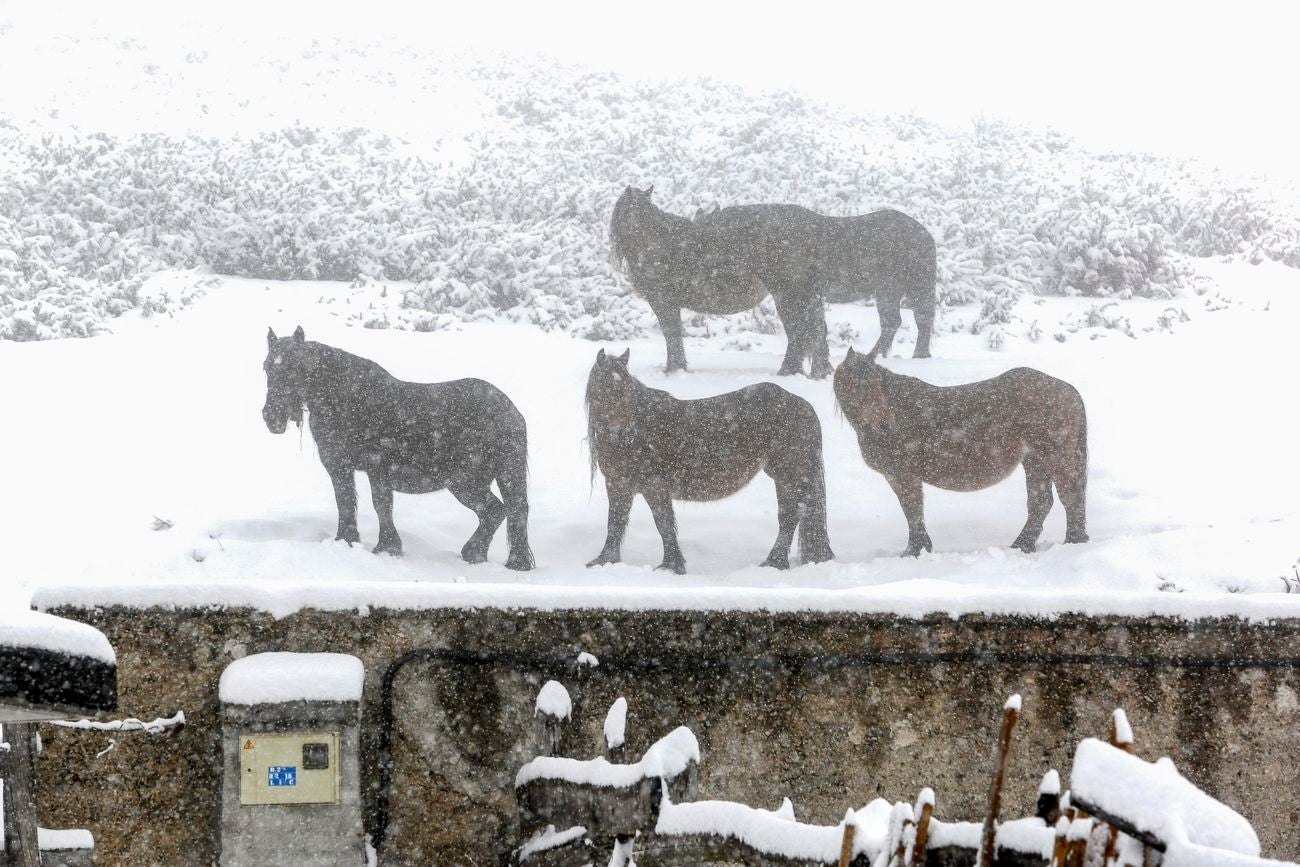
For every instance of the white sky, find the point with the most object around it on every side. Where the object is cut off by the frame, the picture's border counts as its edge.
(1216, 81)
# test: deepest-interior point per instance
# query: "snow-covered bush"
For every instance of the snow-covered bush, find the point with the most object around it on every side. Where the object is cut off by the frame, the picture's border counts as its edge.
(520, 228)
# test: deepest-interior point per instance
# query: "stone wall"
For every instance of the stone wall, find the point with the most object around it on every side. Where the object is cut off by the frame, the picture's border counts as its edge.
(829, 709)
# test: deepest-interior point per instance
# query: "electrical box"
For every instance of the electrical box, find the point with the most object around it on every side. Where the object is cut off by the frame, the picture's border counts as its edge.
(288, 768)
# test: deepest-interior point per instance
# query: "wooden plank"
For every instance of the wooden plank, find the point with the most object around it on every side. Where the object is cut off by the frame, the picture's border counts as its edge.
(1010, 711)
(21, 845)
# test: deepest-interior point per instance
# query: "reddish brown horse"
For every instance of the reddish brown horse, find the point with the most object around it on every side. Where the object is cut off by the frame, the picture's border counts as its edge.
(969, 437)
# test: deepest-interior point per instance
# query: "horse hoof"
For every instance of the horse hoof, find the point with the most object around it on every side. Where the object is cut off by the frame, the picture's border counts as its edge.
(925, 354)
(1027, 547)
(818, 557)
(781, 563)
(601, 561)
(678, 568)
(820, 371)
(521, 562)
(473, 556)
(350, 538)
(1075, 538)
(387, 548)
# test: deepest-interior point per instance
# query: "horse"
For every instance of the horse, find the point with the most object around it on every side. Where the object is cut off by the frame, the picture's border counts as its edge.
(647, 442)
(415, 438)
(728, 260)
(969, 437)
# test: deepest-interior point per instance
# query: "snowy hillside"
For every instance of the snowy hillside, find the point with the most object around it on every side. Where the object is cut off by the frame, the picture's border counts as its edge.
(481, 189)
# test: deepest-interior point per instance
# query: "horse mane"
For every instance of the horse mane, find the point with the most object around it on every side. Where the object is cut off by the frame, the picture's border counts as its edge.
(659, 223)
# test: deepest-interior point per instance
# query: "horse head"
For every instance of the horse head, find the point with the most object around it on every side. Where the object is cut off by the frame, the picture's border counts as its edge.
(860, 392)
(611, 401)
(286, 379)
(633, 213)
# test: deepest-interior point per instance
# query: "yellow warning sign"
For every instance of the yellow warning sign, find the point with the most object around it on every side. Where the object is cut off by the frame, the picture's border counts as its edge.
(248, 745)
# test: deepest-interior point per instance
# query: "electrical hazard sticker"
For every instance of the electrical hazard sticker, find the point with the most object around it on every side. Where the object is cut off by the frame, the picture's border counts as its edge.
(248, 745)
(282, 775)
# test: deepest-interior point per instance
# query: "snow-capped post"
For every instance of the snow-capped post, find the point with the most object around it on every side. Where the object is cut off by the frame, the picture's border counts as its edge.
(1121, 736)
(1010, 712)
(1121, 733)
(615, 734)
(1062, 842)
(552, 709)
(924, 810)
(846, 845)
(1049, 797)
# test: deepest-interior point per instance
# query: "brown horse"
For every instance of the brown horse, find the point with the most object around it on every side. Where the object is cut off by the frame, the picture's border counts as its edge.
(647, 442)
(969, 437)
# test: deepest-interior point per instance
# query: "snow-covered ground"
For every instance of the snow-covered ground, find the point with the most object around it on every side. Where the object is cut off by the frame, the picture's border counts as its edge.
(1192, 500)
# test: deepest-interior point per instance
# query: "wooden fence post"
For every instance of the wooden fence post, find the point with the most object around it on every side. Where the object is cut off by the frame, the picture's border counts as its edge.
(1010, 711)
(22, 848)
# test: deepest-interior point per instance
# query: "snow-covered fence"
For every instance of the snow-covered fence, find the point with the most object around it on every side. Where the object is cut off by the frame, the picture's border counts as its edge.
(1121, 810)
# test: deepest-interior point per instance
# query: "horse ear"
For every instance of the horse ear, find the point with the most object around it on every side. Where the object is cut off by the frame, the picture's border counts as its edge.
(850, 355)
(600, 357)
(299, 335)
(648, 190)
(270, 336)
(622, 359)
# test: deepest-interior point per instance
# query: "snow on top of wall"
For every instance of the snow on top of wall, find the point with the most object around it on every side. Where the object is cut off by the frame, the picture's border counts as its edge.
(553, 700)
(22, 628)
(666, 757)
(768, 832)
(585, 658)
(54, 840)
(269, 678)
(1051, 784)
(919, 599)
(1156, 799)
(616, 723)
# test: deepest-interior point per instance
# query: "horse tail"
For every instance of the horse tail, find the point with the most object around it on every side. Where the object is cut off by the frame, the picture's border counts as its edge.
(814, 541)
(1081, 451)
(512, 479)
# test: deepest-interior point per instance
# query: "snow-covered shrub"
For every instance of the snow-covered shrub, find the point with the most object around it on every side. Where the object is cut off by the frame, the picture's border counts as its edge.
(519, 228)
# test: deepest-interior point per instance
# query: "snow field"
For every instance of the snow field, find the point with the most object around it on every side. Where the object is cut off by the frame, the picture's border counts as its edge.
(1191, 489)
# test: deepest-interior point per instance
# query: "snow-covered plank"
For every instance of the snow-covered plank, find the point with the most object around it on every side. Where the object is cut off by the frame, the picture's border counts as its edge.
(1152, 801)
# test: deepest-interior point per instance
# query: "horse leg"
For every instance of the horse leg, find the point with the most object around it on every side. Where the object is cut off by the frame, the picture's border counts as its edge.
(891, 316)
(912, 498)
(620, 506)
(787, 519)
(670, 323)
(1038, 484)
(793, 320)
(661, 506)
(381, 494)
(819, 353)
(1071, 480)
(476, 495)
(514, 490)
(924, 314)
(345, 497)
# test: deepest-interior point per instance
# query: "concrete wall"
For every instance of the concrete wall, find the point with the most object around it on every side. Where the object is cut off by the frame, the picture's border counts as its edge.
(830, 709)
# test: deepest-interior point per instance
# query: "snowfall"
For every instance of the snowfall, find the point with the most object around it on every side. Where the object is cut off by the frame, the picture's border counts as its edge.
(142, 472)
(139, 470)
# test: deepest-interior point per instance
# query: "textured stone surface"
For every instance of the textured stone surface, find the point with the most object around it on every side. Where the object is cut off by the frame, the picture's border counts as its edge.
(831, 710)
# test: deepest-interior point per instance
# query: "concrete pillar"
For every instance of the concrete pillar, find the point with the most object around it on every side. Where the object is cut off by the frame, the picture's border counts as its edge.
(291, 780)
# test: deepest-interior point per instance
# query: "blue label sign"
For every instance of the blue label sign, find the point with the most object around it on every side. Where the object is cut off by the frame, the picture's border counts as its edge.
(282, 775)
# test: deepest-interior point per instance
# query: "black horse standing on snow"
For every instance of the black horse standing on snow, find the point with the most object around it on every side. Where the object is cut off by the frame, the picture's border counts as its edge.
(409, 437)
(648, 442)
(729, 260)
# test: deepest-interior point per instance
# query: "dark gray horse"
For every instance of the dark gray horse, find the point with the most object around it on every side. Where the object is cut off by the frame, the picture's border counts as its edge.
(648, 442)
(729, 260)
(406, 436)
